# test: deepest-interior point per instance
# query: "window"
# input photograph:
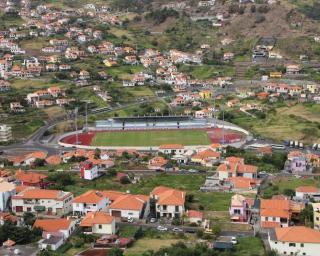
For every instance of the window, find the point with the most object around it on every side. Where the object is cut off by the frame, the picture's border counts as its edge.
(164, 207)
(177, 208)
(267, 218)
(94, 204)
(292, 245)
(284, 252)
(304, 253)
(276, 242)
(236, 211)
(100, 226)
(317, 218)
(301, 245)
(274, 219)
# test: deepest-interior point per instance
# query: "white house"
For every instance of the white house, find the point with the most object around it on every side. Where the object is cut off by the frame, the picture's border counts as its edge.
(171, 149)
(89, 171)
(98, 223)
(306, 192)
(65, 226)
(169, 202)
(7, 190)
(90, 201)
(49, 202)
(297, 240)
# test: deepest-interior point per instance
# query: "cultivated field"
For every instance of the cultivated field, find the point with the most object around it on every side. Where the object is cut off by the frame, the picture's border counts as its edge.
(151, 138)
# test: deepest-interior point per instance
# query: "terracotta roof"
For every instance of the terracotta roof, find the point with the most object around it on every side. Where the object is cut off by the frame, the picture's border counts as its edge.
(53, 160)
(298, 234)
(129, 202)
(171, 146)
(233, 159)
(216, 145)
(208, 153)
(274, 204)
(169, 196)
(30, 177)
(36, 193)
(36, 154)
(307, 189)
(93, 218)
(112, 195)
(158, 161)
(52, 225)
(90, 197)
(275, 213)
(243, 182)
(194, 214)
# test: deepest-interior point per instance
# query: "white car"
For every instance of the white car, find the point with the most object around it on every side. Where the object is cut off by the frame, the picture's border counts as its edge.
(162, 228)
(130, 219)
(153, 220)
(234, 240)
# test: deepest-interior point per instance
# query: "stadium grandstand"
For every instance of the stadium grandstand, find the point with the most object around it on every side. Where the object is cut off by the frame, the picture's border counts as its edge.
(152, 122)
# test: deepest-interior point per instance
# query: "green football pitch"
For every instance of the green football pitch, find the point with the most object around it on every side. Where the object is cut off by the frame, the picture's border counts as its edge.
(151, 138)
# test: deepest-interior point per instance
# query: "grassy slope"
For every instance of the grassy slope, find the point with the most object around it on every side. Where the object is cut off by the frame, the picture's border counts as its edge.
(151, 138)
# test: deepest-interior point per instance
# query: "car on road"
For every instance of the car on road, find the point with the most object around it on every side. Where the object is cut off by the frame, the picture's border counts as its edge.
(162, 228)
(153, 220)
(177, 230)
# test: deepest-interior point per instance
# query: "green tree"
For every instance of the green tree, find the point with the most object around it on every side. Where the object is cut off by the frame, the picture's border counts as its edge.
(115, 252)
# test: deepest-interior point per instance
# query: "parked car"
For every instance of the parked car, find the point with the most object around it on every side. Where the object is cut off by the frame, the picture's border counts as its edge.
(177, 230)
(153, 220)
(130, 219)
(162, 228)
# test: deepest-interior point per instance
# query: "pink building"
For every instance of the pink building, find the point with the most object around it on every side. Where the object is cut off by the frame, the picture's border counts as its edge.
(240, 209)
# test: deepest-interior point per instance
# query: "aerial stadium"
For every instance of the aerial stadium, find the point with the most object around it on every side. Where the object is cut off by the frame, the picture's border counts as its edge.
(154, 131)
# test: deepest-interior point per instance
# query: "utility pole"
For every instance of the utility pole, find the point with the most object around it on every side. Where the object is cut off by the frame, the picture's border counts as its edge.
(76, 125)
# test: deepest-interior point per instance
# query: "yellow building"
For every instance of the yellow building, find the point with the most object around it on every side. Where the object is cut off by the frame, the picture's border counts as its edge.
(312, 88)
(206, 94)
(275, 74)
(316, 215)
(110, 63)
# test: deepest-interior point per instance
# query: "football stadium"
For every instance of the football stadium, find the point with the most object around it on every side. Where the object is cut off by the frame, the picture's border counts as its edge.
(155, 131)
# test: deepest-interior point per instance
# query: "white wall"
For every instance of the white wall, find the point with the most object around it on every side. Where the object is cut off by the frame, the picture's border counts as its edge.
(308, 248)
(101, 206)
(108, 229)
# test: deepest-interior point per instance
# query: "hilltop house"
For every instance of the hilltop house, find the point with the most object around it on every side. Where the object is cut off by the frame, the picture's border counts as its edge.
(169, 202)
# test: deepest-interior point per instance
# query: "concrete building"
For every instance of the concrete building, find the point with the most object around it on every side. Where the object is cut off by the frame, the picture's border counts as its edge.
(5, 133)
(43, 201)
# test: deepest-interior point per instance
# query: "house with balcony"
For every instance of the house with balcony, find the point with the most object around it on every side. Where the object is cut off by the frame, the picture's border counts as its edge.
(42, 201)
(90, 201)
(275, 213)
(169, 202)
(240, 208)
(99, 223)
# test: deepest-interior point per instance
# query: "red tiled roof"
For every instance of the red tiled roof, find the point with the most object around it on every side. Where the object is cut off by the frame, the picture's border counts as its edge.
(52, 225)
(169, 196)
(93, 218)
(298, 234)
